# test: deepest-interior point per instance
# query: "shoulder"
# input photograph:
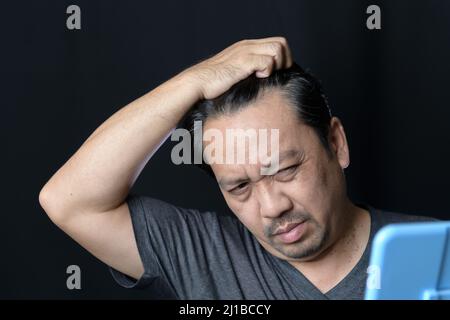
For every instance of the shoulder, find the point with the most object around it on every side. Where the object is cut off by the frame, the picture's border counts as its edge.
(388, 216)
(148, 210)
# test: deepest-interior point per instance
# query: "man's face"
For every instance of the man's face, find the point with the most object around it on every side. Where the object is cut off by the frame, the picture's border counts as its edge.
(290, 212)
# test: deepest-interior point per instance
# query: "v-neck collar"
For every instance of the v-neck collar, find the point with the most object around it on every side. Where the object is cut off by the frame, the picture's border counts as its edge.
(306, 288)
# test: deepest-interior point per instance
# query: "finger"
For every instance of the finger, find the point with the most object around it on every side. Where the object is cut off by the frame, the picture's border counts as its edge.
(286, 51)
(262, 65)
(262, 40)
(274, 49)
(288, 60)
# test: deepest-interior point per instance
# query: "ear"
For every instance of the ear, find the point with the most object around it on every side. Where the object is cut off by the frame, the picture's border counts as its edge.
(338, 142)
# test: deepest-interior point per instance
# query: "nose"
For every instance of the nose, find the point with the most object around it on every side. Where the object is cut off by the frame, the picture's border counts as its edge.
(273, 202)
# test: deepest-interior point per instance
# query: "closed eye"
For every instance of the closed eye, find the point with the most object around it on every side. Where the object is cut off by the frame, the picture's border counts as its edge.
(239, 189)
(287, 171)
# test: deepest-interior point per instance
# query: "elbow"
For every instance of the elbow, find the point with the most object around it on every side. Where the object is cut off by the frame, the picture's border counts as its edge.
(48, 202)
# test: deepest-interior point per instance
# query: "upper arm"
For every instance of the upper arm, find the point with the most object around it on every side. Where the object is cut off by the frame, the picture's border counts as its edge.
(109, 236)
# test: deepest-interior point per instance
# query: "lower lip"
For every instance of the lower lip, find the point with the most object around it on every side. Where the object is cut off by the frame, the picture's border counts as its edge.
(293, 235)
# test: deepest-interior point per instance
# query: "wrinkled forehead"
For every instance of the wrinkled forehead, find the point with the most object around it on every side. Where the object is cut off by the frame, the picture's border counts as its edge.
(230, 174)
(256, 153)
(270, 113)
(275, 129)
(255, 136)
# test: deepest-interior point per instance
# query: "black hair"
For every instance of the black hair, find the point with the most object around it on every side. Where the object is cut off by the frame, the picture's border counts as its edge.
(301, 88)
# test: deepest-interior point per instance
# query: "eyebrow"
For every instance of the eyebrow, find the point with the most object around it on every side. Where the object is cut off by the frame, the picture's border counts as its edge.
(284, 155)
(291, 153)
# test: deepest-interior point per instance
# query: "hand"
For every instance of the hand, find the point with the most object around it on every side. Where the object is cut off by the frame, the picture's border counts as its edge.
(217, 74)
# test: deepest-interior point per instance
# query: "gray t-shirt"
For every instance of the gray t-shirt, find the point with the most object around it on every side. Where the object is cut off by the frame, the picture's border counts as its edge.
(188, 254)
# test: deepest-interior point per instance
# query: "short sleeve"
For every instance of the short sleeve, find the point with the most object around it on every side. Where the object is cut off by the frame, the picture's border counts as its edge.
(171, 241)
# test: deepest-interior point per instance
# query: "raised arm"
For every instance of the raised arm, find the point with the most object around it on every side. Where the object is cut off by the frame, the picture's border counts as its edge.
(86, 196)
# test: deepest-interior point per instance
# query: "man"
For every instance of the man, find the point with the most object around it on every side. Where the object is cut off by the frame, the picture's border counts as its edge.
(294, 233)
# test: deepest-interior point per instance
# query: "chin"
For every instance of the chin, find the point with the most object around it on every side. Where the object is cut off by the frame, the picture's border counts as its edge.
(304, 250)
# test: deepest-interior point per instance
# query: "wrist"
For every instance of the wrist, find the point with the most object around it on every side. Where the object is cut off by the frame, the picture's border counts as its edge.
(192, 82)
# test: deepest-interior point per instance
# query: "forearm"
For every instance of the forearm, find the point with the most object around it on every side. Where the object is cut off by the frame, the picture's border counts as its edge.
(99, 175)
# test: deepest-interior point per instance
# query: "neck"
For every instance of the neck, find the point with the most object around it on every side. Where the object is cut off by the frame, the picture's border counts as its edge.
(345, 249)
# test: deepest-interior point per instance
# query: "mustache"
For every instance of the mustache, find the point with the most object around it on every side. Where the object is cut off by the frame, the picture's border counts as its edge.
(288, 217)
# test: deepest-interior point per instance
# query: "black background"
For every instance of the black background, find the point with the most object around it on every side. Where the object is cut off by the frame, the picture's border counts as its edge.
(390, 88)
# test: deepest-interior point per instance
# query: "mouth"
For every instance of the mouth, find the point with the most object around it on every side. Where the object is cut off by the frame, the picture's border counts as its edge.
(291, 233)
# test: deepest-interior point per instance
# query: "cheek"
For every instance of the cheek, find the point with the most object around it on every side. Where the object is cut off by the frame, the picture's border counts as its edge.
(310, 184)
(328, 193)
(248, 213)
(312, 191)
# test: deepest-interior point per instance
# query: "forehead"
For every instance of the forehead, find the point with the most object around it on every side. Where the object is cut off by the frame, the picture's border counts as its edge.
(270, 111)
(234, 174)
